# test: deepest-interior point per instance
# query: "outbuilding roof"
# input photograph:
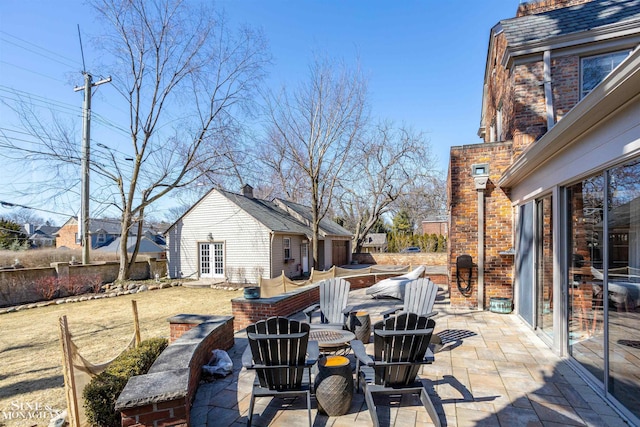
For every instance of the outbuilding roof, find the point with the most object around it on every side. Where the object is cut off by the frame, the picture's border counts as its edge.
(268, 213)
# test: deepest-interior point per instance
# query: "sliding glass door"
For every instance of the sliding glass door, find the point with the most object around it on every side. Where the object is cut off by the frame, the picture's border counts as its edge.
(544, 265)
(603, 279)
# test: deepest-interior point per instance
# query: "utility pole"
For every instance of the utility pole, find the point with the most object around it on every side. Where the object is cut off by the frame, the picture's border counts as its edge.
(83, 221)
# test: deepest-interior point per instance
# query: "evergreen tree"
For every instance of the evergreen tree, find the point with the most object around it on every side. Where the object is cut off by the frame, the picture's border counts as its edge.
(11, 235)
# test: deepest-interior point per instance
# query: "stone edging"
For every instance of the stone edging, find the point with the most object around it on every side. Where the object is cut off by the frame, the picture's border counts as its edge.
(79, 298)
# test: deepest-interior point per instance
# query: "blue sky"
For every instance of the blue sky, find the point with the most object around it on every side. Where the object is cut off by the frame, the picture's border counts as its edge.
(424, 61)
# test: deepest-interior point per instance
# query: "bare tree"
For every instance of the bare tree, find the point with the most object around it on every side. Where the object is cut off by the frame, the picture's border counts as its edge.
(388, 164)
(312, 130)
(184, 77)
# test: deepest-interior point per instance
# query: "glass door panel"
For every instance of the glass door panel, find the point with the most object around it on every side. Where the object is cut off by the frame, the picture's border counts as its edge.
(623, 282)
(544, 265)
(586, 332)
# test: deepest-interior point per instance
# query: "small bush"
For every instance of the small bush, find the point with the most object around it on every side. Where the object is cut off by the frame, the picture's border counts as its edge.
(47, 287)
(101, 393)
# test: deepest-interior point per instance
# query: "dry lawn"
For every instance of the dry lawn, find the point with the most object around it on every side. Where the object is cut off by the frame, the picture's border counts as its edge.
(30, 350)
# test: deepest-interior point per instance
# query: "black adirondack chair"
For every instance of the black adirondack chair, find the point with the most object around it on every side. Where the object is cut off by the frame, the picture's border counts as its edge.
(401, 346)
(334, 295)
(419, 297)
(280, 352)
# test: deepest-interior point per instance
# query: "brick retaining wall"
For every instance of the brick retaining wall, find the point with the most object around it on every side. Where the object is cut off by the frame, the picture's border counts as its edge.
(248, 311)
(163, 396)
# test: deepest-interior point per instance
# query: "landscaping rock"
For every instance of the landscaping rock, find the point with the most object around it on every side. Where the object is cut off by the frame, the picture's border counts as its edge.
(113, 294)
(165, 285)
(143, 288)
(131, 286)
(60, 301)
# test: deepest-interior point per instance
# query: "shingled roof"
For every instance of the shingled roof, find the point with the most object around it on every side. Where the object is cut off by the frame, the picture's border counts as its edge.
(569, 20)
(268, 213)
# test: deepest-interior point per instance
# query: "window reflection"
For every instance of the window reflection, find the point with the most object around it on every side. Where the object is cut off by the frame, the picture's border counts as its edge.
(586, 332)
(624, 284)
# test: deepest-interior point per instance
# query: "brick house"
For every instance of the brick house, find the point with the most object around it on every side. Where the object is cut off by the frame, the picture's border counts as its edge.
(548, 206)
(437, 225)
(104, 233)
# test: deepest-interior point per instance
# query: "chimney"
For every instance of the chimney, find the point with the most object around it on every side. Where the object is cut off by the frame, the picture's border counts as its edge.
(541, 6)
(247, 191)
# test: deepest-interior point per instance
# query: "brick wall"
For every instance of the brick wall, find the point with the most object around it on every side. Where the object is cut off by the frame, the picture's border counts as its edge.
(410, 259)
(565, 83)
(163, 396)
(529, 121)
(533, 7)
(463, 231)
(432, 227)
(248, 311)
(67, 236)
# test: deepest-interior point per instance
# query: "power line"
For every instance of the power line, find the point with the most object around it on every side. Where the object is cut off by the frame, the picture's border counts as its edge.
(33, 96)
(31, 71)
(16, 205)
(72, 61)
(37, 53)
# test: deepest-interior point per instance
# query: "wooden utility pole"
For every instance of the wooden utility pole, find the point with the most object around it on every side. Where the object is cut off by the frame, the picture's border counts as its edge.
(83, 221)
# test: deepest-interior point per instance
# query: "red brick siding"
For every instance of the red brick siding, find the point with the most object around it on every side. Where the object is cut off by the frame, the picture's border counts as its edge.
(434, 228)
(463, 232)
(540, 6)
(67, 236)
(246, 312)
(565, 83)
(170, 413)
(176, 412)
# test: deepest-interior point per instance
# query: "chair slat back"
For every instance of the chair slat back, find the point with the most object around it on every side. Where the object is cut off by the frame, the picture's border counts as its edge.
(404, 341)
(280, 345)
(420, 296)
(334, 295)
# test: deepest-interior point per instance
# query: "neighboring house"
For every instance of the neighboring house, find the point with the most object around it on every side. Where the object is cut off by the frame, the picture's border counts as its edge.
(148, 247)
(556, 184)
(438, 225)
(241, 238)
(102, 232)
(42, 236)
(375, 243)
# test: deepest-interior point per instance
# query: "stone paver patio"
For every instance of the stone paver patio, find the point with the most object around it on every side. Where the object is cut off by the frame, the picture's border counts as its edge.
(492, 371)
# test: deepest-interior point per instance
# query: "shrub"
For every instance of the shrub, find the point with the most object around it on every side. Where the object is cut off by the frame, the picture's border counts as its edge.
(101, 393)
(47, 287)
(78, 285)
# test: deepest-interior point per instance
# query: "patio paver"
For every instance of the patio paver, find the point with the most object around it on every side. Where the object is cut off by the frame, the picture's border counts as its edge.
(492, 371)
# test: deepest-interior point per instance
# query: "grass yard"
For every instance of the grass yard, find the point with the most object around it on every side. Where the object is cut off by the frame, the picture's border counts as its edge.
(30, 349)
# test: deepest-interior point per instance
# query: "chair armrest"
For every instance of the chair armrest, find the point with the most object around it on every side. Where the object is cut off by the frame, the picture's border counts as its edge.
(428, 356)
(313, 352)
(358, 349)
(433, 313)
(348, 309)
(391, 311)
(309, 311)
(247, 358)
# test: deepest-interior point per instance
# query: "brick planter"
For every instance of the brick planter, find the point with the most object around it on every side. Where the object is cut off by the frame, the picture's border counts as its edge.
(163, 396)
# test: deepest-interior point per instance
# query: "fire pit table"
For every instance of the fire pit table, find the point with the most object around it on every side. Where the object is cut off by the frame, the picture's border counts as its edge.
(331, 340)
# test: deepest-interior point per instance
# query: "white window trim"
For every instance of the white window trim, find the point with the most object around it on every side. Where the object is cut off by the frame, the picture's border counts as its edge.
(581, 74)
(286, 245)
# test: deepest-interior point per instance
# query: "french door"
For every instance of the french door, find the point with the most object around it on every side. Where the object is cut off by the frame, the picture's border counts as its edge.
(211, 257)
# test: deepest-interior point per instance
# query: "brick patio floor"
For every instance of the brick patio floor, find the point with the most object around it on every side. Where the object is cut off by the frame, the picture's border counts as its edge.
(492, 371)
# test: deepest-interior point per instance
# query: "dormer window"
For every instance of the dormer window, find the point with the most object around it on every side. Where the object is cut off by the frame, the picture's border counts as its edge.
(594, 69)
(101, 238)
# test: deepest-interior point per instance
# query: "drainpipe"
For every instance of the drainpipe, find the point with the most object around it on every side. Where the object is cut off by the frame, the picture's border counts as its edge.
(481, 185)
(548, 92)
